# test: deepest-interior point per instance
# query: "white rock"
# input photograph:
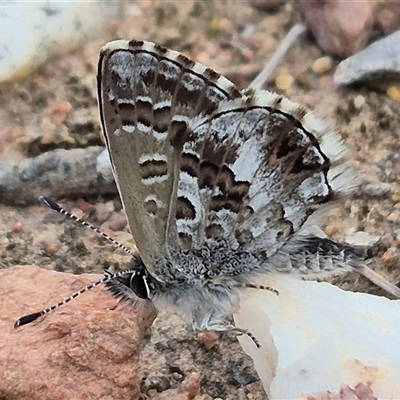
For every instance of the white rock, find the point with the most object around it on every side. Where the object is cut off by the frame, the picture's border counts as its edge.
(315, 338)
(30, 32)
(379, 58)
(377, 188)
(359, 101)
(361, 238)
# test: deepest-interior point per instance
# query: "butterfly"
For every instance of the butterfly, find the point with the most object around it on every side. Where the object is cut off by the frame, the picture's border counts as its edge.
(217, 183)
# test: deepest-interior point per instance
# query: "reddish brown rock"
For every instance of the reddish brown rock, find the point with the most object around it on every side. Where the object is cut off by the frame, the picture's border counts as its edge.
(208, 339)
(59, 112)
(191, 385)
(387, 15)
(87, 349)
(341, 28)
(188, 390)
(117, 222)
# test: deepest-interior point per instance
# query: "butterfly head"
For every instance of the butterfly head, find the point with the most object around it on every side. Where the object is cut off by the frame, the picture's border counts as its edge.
(135, 284)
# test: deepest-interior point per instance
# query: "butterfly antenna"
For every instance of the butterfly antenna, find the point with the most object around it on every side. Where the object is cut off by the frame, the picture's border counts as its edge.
(55, 207)
(27, 319)
(258, 287)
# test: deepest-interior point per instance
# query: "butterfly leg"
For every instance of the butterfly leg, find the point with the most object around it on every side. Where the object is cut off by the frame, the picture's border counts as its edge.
(215, 323)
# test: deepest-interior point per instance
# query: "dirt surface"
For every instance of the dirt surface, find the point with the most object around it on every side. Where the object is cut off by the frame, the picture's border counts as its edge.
(57, 108)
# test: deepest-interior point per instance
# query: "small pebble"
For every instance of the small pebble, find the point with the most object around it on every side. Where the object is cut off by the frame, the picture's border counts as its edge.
(104, 212)
(396, 197)
(17, 227)
(77, 212)
(322, 65)
(379, 213)
(377, 189)
(389, 254)
(4, 241)
(394, 93)
(330, 230)
(284, 82)
(361, 238)
(214, 27)
(50, 245)
(84, 206)
(145, 384)
(191, 384)
(117, 222)
(354, 209)
(60, 111)
(152, 393)
(177, 376)
(208, 339)
(393, 217)
(359, 101)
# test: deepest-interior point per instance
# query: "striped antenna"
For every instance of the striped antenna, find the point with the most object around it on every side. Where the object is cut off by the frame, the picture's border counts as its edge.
(253, 286)
(55, 207)
(26, 319)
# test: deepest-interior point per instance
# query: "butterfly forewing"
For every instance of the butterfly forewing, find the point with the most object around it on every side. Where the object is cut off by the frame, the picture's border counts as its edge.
(148, 95)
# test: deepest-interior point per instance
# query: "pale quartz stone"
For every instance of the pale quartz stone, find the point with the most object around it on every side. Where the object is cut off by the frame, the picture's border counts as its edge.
(31, 32)
(316, 337)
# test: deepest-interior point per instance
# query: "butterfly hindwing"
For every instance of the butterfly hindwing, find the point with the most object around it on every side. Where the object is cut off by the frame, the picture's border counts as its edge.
(253, 172)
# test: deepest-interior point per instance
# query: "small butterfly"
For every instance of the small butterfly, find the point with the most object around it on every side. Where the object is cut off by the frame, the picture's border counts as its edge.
(217, 183)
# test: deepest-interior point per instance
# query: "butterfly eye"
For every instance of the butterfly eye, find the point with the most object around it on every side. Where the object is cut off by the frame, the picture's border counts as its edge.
(139, 285)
